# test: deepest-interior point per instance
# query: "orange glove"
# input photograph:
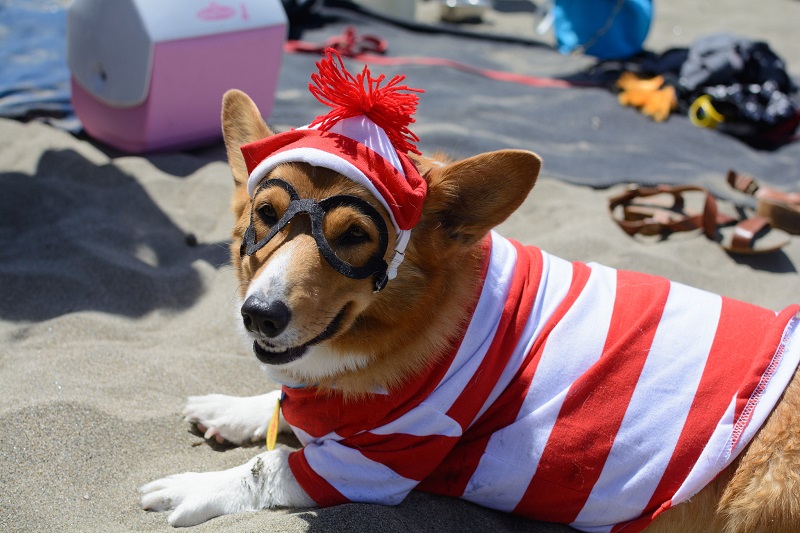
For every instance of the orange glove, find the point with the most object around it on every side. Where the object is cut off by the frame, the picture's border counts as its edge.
(651, 96)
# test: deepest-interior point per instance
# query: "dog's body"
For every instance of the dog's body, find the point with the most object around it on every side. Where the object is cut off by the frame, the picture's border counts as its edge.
(391, 399)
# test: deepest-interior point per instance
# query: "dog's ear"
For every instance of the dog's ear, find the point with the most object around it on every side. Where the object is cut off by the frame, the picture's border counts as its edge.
(241, 124)
(468, 198)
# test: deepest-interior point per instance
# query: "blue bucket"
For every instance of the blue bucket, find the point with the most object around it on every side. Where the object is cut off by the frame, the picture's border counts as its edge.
(606, 29)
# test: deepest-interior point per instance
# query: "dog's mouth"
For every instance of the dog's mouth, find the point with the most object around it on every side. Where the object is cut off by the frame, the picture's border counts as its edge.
(271, 355)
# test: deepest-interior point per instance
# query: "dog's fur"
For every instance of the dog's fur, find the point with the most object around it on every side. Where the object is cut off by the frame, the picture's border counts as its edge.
(385, 337)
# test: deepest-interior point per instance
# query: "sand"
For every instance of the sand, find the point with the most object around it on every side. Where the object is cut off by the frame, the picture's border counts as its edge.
(117, 302)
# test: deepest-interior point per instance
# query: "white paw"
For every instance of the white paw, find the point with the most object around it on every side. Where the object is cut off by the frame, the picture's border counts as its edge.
(232, 419)
(264, 482)
(194, 498)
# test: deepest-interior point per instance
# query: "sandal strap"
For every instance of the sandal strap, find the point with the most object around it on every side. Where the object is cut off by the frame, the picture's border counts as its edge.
(712, 218)
(745, 232)
(707, 220)
(742, 182)
(748, 185)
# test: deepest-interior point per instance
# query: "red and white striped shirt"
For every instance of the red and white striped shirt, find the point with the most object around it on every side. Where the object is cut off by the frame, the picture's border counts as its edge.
(579, 394)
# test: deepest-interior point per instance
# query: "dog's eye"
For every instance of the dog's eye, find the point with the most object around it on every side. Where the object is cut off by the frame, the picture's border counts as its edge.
(354, 235)
(267, 214)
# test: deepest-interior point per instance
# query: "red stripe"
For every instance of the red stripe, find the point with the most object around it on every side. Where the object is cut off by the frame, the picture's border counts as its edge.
(319, 413)
(454, 473)
(763, 366)
(639, 524)
(317, 488)
(595, 405)
(498, 75)
(505, 410)
(758, 361)
(411, 456)
(739, 335)
(521, 296)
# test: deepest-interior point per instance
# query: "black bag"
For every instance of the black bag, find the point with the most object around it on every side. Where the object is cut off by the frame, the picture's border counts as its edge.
(746, 83)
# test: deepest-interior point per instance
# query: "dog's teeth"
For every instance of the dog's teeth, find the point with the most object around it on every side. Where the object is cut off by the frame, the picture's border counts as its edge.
(269, 347)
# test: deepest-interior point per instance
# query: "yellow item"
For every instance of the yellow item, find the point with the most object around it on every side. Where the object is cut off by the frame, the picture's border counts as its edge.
(651, 96)
(272, 429)
(703, 114)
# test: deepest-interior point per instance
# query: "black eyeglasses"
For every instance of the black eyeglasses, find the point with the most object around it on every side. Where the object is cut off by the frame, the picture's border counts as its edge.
(375, 266)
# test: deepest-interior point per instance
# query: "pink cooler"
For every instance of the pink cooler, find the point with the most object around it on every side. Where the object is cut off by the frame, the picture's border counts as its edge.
(150, 74)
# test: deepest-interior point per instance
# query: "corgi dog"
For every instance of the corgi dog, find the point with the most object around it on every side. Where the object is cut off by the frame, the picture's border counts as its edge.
(420, 350)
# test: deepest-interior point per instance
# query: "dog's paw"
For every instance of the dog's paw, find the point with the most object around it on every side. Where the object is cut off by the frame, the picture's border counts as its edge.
(230, 418)
(264, 482)
(194, 498)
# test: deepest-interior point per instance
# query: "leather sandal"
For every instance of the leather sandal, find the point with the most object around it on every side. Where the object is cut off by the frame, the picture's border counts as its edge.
(752, 236)
(653, 216)
(658, 215)
(781, 208)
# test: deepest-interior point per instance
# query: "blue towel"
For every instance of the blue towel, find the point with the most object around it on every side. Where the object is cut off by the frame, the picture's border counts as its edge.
(34, 78)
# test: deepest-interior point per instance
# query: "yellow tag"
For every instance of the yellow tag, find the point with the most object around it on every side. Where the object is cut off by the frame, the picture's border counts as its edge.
(272, 429)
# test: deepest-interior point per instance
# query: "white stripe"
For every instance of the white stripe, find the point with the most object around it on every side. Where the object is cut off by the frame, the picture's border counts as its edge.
(512, 454)
(359, 479)
(716, 455)
(306, 438)
(597, 529)
(704, 470)
(422, 421)
(553, 286)
(318, 158)
(364, 131)
(658, 408)
(481, 330)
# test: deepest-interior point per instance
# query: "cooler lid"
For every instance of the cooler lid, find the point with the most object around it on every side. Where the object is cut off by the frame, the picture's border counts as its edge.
(110, 43)
(180, 19)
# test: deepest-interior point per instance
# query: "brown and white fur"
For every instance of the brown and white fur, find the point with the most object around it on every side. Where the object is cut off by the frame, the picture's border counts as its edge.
(384, 337)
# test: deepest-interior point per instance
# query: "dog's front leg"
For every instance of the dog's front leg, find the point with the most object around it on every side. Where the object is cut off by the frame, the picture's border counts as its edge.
(264, 482)
(231, 418)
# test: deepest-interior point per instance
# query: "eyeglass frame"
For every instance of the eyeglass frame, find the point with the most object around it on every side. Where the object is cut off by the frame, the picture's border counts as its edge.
(316, 211)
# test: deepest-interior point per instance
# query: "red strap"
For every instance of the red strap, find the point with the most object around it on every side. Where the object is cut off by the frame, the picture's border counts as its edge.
(348, 44)
(369, 47)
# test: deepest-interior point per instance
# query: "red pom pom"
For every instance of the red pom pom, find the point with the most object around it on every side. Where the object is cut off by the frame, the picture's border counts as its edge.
(391, 107)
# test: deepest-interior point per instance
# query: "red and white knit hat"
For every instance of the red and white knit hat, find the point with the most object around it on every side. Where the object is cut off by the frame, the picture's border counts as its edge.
(365, 137)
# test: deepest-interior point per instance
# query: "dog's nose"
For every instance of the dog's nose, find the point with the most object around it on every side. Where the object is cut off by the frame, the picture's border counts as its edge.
(269, 319)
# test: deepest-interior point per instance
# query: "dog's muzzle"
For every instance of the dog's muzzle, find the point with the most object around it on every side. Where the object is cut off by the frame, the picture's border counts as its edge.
(375, 267)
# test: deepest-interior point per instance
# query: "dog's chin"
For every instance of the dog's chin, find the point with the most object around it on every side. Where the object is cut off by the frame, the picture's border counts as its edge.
(271, 355)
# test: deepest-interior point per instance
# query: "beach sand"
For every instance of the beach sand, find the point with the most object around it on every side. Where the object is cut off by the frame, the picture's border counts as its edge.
(117, 302)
